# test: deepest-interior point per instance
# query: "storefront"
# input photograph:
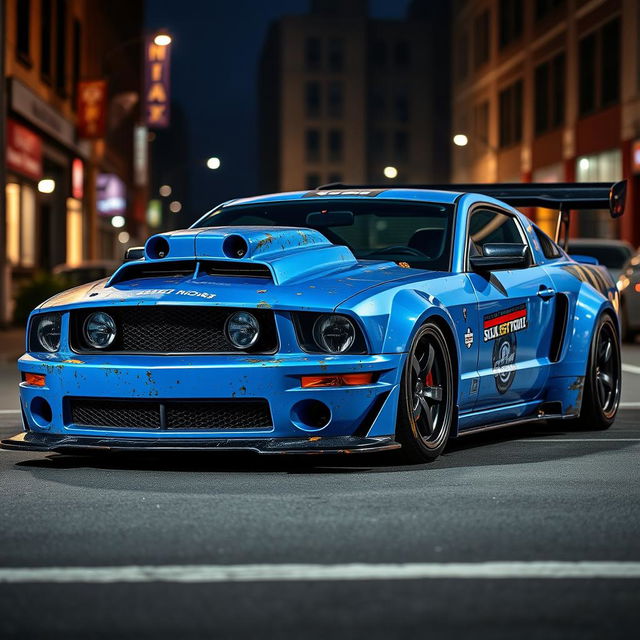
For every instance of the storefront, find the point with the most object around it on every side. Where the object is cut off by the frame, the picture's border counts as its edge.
(45, 187)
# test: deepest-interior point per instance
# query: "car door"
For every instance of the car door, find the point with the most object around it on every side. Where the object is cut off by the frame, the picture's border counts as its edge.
(516, 313)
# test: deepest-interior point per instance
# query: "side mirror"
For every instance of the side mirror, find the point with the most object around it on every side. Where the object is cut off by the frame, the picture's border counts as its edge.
(501, 256)
(133, 253)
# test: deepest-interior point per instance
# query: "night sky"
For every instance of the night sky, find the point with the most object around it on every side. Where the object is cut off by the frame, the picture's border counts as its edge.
(216, 48)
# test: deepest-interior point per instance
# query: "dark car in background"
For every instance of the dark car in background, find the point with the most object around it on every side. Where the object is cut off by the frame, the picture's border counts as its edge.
(612, 254)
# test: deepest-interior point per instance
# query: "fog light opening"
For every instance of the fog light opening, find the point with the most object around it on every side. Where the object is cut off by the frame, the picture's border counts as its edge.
(310, 415)
(41, 412)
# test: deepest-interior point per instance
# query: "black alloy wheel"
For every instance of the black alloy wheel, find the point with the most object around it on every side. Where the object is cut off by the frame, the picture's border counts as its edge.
(425, 410)
(603, 380)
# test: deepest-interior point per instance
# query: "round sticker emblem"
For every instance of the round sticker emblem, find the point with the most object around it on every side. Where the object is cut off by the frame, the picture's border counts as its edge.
(504, 362)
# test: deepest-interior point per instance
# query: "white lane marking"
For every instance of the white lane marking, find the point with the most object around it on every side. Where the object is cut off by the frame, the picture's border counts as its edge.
(544, 439)
(630, 368)
(6, 411)
(315, 572)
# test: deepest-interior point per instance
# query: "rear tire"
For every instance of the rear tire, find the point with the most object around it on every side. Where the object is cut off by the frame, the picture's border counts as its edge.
(601, 395)
(426, 404)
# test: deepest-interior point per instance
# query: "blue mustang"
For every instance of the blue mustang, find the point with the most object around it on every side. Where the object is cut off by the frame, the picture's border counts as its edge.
(337, 320)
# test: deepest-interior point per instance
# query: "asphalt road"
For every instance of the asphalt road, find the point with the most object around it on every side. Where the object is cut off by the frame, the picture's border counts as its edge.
(524, 495)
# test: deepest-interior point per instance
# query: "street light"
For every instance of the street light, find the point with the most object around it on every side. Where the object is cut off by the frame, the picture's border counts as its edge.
(46, 185)
(460, 140)
(390, 172)
(213, 163)
(162, 39)
(165, 190)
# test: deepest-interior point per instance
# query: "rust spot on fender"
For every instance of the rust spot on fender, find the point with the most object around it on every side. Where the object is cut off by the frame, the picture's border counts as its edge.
(267, 240)
(72, 361)
(263, 304)
(261, 291)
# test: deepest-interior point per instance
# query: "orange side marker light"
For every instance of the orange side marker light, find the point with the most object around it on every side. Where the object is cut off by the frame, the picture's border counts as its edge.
(34, 379)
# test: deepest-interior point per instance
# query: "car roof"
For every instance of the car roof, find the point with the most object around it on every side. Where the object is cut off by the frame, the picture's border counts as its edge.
(420, 195)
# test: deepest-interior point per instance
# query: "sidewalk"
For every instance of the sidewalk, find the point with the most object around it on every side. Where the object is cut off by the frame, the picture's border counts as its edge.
(11, 345)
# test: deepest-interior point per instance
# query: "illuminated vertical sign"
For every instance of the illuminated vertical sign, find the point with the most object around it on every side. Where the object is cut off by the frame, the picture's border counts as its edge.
(156, 84)
(92, 108)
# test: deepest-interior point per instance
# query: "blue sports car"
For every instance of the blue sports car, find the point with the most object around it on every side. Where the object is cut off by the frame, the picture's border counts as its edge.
(343, 319)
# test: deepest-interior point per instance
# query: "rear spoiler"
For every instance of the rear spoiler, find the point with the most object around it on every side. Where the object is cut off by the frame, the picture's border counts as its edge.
(564, 196)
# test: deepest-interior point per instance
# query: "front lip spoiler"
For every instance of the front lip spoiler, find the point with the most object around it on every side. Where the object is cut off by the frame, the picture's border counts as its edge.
(31, 441)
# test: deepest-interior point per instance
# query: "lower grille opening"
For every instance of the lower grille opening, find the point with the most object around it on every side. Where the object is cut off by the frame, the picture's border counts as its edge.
(170, 415)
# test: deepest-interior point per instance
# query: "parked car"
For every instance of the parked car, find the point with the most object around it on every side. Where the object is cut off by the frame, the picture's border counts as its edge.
(629, 287)
(86, 272)
(613, 254)
(336, 320)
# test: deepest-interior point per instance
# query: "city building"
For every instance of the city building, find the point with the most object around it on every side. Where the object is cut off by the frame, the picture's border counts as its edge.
(62, 191)
(347, 98)
(543, 93)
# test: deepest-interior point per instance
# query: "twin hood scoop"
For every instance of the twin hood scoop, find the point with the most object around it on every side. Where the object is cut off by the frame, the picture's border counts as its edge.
(282, 253)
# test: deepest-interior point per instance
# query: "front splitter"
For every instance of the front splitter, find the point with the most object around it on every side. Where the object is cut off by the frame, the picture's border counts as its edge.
(32, 441)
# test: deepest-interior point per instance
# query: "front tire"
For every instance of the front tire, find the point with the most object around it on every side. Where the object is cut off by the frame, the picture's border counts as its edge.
(603, 380)
(426, 404)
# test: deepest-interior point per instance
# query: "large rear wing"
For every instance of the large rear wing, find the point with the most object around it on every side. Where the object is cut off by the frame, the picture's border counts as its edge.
(563, 196)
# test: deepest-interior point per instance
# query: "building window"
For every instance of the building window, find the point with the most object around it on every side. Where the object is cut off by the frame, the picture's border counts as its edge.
(510, 102)
(401, 106)
(378, 104)
(21, 224)
(378, 142)
(481, 124)
(336, 55)
(335, 145)
(75, 241)
(599, 74)
(312, 145)
(312, 99)
(402, 55)
(61, 47)
(23, 31)
(544, 7)
(550, 94)
(510, 21)
(481, 39)
(45, 40)
(312, 54)
(401, 146)
(462, 59)
(378, 53)
(313, 181)
(335, 105)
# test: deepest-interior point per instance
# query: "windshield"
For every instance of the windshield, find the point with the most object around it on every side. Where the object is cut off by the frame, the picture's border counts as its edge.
(418, 234)
(611, 256)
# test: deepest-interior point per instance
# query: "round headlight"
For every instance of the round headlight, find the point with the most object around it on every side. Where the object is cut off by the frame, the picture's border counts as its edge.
(242, 329)
(48, 332)
(334, 334)
(99, 330)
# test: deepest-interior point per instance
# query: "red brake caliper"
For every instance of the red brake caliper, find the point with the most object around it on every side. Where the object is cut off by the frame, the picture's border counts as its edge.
(428, 381)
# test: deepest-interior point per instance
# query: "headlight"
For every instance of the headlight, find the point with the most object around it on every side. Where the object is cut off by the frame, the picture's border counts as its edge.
(242, 329)
(99, 330)
(334, 334)
(47, 332)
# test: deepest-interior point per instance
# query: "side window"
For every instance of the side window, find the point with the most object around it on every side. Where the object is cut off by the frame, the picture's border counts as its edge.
(549, 247)
(487, 227)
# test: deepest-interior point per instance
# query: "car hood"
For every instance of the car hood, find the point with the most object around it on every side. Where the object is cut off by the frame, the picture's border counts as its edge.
(279, 269)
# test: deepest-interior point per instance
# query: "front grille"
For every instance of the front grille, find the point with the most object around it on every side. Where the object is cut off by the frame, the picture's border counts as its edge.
(170, 415)
(174, 329)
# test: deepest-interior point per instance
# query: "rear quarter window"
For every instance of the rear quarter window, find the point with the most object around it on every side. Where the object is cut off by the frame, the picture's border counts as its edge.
(549, 248)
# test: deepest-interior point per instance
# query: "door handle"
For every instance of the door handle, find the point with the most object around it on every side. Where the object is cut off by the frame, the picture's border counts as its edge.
(545, 293)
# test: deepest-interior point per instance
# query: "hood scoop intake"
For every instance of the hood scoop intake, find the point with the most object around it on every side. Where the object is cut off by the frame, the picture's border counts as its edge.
(279, 253)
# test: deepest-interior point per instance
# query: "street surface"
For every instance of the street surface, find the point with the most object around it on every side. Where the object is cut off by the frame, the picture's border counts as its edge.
(524, 497)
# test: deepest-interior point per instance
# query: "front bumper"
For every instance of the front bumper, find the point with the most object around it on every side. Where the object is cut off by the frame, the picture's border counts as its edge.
(364, 411)
(68, 444)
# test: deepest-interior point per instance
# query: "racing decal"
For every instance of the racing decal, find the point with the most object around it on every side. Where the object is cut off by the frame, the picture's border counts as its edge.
(474, 386)
(502, 323)
(321, 193)
(464, 313)
(468, 338)
(504, 362)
